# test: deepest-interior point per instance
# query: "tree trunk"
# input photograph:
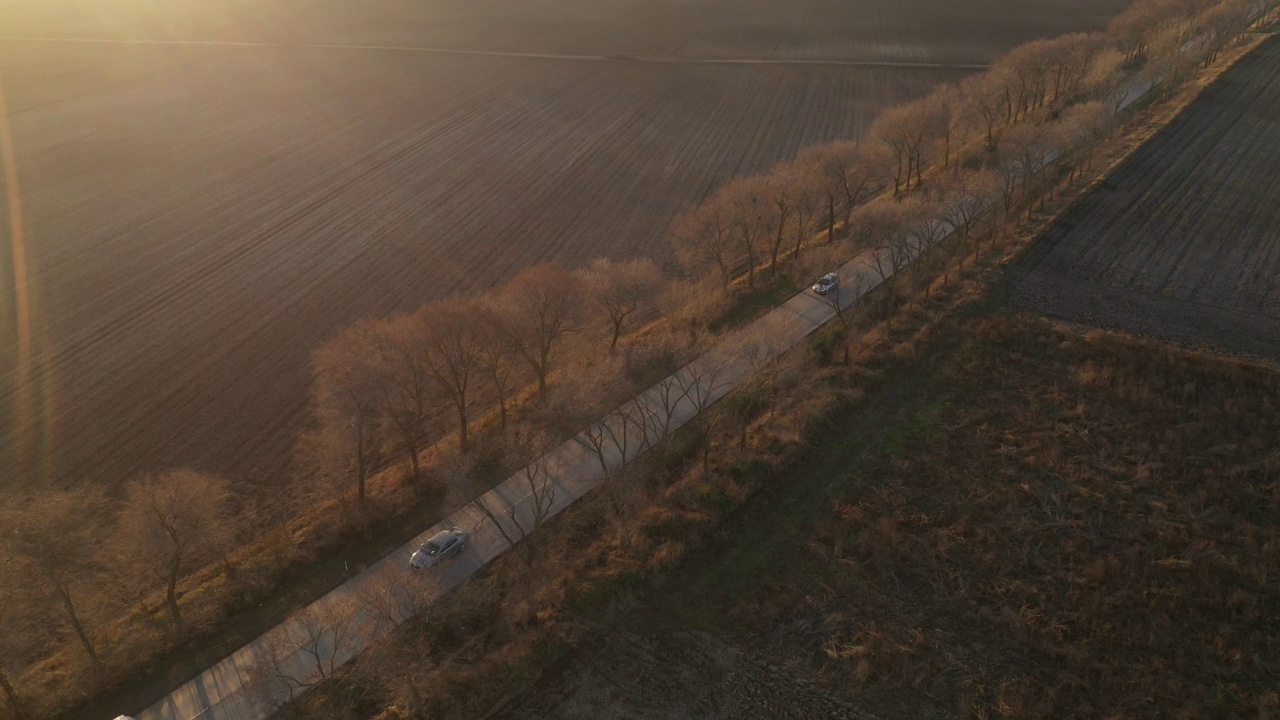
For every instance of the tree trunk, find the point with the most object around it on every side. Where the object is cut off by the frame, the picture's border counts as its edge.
(463, 443)
(64, 594)
(12, 697)
(831, 218)
(362, 461)
(171, 597)
(706, 455)
(411, 447)
(617, 333)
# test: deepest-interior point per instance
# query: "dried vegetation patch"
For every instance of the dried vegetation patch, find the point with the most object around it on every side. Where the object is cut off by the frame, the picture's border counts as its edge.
(1040, 524)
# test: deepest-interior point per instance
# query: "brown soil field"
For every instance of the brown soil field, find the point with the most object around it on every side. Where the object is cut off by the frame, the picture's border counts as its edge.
(971, 31)
(680, 676)
(1182, 241)
(201, 211)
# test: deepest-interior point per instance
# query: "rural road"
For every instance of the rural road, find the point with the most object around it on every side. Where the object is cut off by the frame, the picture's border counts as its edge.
(573, 468)
(231, 44)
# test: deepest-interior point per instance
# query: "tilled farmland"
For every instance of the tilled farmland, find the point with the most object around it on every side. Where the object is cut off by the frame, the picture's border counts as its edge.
(1182, 241)
(199, 215)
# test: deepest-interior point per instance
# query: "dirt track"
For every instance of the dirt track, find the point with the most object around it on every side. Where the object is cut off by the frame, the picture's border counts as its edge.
(1182, 242)
(199, 217)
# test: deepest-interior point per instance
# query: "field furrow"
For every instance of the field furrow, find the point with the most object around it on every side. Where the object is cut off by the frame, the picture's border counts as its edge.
(1181, 241)
(211, 190)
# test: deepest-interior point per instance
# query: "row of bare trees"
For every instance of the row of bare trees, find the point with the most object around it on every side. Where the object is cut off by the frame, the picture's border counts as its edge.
(963, 157)
(1059, 87)
(754, 222)
(87, 559)
(379, 385)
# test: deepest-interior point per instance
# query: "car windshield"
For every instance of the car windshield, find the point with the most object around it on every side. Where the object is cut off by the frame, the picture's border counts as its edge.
(431, 549)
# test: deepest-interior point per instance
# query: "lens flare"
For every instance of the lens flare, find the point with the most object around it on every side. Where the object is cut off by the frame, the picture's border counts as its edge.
(17, 335)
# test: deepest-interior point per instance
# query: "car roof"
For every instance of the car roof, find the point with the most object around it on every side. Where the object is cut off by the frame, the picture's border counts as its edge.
(445, 535)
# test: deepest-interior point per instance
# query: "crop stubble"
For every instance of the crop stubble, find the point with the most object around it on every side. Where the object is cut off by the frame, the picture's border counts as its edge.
(200, 217)
(1182, 241)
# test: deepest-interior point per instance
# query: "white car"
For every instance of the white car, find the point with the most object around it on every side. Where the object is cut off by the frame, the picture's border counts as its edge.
(444, 544)
(826, 283)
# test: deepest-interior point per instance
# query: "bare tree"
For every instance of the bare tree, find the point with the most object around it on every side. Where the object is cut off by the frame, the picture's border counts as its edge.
(453, 347)
(620, 289)
(344, 402)
(403, 388)
(1081, 128)
(1031, 148)
(704, 381)
(170, 524)
(882, 225)
(1221, 24)
(1171, 59)
(848, 175)
(984, 94)
(925, 224)
(1007, 166)
(966, 195)
(703, 238)
(1025, 70)
(906, 130)
(517, 521)
(496, 355)
(622, 429)
(807, 195)
(747, 202)
(52, 536)
(953, 115)
(1070, 58)
(925, 229)
(1106, 79)
(1132, 28)
(305, 651)
(657, 409)
(392, 599)
(756, 349)
(835, 297)
(782, 187)
(542, 307)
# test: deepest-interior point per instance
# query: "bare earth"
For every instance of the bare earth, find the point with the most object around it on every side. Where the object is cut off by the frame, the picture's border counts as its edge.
(1183, 240)
(685, 676)
(211, 189)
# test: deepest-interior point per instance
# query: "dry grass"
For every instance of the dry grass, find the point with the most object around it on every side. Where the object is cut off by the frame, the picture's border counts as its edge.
(1057, 525)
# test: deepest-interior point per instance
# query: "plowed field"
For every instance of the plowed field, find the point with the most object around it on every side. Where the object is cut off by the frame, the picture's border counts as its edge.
(1182, 242)
(210, 189)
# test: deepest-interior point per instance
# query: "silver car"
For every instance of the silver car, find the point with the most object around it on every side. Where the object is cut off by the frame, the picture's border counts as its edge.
(827, 283)
(444, 544)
